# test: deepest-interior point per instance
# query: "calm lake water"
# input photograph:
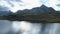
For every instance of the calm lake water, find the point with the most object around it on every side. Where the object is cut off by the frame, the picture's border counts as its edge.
(24, 27)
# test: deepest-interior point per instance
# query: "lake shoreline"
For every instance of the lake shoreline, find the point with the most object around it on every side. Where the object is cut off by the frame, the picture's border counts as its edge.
(32, 21)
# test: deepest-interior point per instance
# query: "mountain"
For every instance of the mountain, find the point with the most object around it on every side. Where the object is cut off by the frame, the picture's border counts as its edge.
(2, 13)
(38, 14)
(3, 8)
(47, 9)
(37, 10)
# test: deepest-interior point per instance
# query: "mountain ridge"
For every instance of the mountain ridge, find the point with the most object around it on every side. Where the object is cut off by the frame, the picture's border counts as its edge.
(42, 9)
(36, 10)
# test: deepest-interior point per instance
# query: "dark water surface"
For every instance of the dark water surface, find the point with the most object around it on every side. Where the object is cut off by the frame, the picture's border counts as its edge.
(24, 27)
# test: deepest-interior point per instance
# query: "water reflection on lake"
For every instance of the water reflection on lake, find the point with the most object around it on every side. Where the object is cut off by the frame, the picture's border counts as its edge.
(24, 27)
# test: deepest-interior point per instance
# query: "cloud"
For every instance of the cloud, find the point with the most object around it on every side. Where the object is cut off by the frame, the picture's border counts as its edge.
(15, 5)
(53, 4)
(58, 5)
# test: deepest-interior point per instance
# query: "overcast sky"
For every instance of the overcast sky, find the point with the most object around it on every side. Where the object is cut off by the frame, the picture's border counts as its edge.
(15, 5)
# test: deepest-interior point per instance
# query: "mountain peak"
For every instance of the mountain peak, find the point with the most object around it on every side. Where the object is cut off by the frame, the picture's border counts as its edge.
(43, 5)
